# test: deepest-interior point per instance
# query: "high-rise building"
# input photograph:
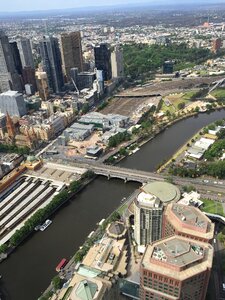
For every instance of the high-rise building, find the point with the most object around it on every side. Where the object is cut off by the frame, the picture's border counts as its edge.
(13, 103)
(216, 45)
(29, 77)
(10, 126)
(42, 85)
(9, 78)
(117, 63)
(148, 210)
(16, 57)
(103, 61)
(176, 268)
(26, 53)
(51, 60)
(187, 221)
(71, 50)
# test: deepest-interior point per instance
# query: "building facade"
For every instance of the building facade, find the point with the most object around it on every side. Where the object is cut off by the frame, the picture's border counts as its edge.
(9, 78)
(148, 210)
(117, 63)
(187, 221)
(103, 61)
(51, 60)
(71, 50)
(13, 103)
(175, 268)
(26, 53)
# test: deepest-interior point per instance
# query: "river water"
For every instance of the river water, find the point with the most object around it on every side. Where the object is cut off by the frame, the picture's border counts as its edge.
(28, 271)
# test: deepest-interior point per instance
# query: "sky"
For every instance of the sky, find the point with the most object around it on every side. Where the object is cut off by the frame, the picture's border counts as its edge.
(29, 5)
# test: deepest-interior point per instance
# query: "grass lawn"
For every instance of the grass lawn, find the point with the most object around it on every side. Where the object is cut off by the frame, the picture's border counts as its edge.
(219, 93)
(166, 108)
(178, 101)
(187, 96)
(212, 207)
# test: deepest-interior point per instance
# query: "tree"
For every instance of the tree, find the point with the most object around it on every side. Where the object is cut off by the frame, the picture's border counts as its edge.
(3, 248)
(221, 237)
(85, 108)
(181, 105)
(57, 282)
(197, 109)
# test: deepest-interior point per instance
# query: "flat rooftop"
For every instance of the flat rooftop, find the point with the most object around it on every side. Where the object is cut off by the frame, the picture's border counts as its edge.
(190, 220)
(191, 215)
(164, 191)
(178, 257)
(10, 93)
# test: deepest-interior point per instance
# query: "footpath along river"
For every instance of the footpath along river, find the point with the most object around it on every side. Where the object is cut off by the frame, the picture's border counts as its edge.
(28, 271)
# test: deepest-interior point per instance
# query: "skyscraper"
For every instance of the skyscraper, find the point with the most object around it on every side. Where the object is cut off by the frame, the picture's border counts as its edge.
(13, 103)
(16, 57)
(71, 50)
(103, 61)
(9, 78)
(51, 59)
(117, 63)
(176, 268)
(25, 53)
(148, 211)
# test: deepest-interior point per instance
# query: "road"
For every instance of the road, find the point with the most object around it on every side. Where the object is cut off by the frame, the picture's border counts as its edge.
(207, 187)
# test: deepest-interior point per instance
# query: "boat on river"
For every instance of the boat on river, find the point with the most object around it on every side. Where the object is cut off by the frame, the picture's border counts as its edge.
(45, 225)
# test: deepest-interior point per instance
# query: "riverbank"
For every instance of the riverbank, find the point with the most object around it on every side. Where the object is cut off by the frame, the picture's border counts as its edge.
(76, 219)
(42, 214)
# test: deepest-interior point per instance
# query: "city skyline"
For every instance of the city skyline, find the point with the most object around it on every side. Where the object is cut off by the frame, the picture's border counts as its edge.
(42, 5)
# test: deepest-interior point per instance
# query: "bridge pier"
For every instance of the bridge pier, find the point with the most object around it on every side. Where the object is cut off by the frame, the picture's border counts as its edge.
(109, 176)
(125, 180)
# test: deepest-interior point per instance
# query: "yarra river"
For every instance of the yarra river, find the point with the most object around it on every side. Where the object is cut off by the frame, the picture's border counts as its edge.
(28, 271)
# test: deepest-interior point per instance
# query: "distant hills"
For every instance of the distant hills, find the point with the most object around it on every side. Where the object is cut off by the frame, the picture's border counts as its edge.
(157, 4)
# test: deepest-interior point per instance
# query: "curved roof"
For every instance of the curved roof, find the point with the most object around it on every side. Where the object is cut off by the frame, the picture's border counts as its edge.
(164, 191)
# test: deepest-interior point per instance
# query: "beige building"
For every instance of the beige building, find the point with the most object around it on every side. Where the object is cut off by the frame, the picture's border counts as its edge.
(109, 256)
(42, 84)
(187, 221)
(176, 268)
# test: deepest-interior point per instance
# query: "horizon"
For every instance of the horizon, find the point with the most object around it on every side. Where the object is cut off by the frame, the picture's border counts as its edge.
(15, 6)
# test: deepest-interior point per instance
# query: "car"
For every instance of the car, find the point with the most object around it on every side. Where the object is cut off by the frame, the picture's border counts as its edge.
(215, 182)
(206, 181)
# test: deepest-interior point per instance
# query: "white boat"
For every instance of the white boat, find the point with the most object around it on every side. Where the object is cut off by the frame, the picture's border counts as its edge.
(36, 228)
(45, 225)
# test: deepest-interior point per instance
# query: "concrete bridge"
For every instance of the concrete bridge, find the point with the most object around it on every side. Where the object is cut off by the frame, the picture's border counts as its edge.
(123, 173)
(109, 171)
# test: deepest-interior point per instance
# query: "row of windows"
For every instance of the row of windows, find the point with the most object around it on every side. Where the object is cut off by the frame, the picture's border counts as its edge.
(156, 277)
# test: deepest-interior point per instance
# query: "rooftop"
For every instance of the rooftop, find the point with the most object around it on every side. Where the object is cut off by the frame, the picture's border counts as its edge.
(107, 255)
(10, 93)
(190, 220)
(164, 191)
(116, 229)
(178, 257)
